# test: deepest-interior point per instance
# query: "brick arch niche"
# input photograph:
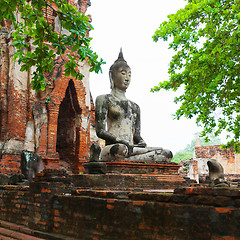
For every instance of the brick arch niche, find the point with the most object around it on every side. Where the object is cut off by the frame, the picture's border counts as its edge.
(68, 129)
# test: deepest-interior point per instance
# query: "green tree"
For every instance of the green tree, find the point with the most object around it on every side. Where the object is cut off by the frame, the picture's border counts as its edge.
(205, 36)
(34, 27)
(188, 151)
(182, 155)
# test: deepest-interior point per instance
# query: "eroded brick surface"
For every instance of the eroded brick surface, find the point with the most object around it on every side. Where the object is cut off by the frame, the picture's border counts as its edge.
(58, 207)
(28, 122)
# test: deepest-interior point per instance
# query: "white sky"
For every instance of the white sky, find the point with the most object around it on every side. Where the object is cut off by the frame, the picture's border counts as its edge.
(130, 24)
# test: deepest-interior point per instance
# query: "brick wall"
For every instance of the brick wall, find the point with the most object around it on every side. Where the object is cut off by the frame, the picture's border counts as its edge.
(188, 213)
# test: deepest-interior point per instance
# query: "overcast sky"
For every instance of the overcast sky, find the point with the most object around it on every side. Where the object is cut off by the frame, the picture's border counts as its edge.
(130, 24)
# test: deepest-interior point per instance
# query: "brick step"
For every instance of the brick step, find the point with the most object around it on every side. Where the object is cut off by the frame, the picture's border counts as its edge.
(164, 179)
(12, 231)
(12, 234)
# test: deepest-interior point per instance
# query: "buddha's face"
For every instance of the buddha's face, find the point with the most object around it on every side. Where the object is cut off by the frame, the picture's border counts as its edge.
(121, 77)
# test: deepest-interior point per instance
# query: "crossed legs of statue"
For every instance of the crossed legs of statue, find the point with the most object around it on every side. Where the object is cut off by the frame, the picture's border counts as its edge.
(120, 152)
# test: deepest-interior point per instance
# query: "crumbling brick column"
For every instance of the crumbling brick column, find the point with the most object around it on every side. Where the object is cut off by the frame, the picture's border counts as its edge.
(15, 102)
(51, 159)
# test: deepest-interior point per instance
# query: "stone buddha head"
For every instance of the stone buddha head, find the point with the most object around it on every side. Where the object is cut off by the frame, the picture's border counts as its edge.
(120, 73)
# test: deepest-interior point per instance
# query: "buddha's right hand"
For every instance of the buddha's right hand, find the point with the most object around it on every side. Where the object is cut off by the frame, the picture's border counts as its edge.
(130, 147)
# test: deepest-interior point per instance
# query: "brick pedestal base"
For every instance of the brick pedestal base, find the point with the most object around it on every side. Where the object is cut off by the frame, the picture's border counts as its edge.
(126, 174)
(131, 167)
(50, 163)
(128, 181)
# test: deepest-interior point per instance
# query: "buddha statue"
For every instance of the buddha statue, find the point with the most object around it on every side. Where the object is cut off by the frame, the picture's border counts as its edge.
(118, 122)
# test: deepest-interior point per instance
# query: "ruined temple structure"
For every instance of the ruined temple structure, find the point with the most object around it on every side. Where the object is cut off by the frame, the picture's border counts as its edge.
(120, 199)
(226, 157)
(197, 168)
(58, 130)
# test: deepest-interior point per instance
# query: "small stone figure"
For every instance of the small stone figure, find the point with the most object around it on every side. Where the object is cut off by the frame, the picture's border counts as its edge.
(216, 174)
(94, 166)
(31, 164)
(118, 121)
(94, 152)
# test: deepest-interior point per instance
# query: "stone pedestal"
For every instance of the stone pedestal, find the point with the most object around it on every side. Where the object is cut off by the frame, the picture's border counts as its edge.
(96, 167)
